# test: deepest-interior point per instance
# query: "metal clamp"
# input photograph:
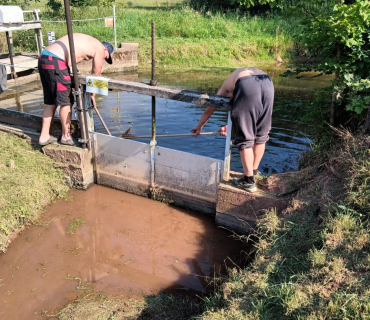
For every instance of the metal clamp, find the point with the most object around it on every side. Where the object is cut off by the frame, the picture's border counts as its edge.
(153, 143)
(83, 141)
(77, 93)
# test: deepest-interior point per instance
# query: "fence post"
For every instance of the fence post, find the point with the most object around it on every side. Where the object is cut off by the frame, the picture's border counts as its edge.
(114, 26)
(228, 148)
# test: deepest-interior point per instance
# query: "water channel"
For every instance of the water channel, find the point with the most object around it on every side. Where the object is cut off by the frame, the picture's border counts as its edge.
(124, 243)
(124, 110)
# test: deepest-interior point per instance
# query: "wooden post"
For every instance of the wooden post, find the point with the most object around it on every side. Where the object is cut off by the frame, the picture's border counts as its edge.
(9, 39)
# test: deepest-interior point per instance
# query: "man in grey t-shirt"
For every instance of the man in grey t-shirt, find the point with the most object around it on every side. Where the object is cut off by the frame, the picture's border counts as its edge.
(252, 93)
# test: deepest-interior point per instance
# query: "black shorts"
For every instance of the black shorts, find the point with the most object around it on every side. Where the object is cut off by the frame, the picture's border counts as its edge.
(251, 110)
(56, 81)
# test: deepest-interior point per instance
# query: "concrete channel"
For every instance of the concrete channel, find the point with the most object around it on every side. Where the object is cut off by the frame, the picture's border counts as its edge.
(183, 179)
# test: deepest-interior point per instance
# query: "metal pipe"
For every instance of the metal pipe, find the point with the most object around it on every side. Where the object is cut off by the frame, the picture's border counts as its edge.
(9, 39)
(153, 143)
(80, 109)
(171, 135)
(40, 44)
(114, 26)
(153, 82)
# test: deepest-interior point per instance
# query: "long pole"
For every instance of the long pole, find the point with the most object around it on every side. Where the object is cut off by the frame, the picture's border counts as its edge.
(77, 92)
(114, 26)
(171, 135)
(153, 82)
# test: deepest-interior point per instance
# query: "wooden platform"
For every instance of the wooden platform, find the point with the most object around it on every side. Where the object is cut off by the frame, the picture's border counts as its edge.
(24, 61)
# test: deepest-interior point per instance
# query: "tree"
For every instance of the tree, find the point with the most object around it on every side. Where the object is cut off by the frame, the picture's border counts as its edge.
(337, 33)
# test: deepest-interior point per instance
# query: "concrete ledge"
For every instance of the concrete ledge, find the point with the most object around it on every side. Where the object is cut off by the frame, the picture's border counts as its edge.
(184, 200)
(76, 163)
(239, 210)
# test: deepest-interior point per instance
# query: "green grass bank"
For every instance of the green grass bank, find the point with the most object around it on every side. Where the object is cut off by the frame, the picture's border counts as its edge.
(28, 182)
(185, 38)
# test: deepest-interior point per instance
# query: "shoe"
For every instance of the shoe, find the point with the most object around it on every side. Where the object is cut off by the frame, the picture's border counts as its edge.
(68, 142)
(257, 175)
(242, 184)
(49, 141)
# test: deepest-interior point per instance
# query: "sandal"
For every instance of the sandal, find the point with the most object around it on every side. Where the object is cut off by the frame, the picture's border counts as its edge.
(49, 141)
(68, 142)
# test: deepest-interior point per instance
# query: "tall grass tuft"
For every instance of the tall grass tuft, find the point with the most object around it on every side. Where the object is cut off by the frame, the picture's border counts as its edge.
(28, 181)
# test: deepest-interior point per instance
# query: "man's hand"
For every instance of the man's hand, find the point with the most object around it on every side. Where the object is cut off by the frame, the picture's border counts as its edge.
(223, 131)
(196, 130)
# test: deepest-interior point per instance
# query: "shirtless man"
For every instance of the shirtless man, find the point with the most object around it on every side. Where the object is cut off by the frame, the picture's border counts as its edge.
(53, 66)
(252, 93)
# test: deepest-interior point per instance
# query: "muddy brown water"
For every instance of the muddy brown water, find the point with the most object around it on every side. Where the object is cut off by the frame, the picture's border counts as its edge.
(125, 243)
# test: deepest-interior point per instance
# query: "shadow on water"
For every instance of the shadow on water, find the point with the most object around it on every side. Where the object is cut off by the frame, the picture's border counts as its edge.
(117, 242)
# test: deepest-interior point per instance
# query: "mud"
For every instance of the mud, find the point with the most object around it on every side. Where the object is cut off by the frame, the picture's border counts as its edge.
(120, 242)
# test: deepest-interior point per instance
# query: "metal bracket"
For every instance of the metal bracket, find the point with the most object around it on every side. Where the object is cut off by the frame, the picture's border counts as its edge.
(83, 141)
(77, 93)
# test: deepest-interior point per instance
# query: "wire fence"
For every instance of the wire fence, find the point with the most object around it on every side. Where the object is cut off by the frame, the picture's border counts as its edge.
(64, 21)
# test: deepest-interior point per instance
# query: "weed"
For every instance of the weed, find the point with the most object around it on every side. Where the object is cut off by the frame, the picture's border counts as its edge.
(74, 225)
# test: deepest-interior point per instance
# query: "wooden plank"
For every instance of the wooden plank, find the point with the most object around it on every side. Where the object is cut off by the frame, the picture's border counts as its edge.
(20, 26)
(202, 99)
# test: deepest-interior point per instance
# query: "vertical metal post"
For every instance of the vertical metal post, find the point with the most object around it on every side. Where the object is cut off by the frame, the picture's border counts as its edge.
(40, 43)
(9, 39)
(153, 82)
(228, 148)
(114, 26)
(80, 109)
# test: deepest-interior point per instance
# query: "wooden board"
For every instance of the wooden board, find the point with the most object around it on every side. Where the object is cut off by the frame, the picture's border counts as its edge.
(202, 99)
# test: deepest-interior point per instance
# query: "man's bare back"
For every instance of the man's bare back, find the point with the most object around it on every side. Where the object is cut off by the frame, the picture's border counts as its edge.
(228, 86)
(86, 48)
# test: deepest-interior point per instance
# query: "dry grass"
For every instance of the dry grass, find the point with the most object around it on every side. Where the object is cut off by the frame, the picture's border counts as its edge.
(28, 181)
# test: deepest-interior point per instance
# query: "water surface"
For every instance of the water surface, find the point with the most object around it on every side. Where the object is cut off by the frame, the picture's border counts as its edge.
(124, 110)
(126, 243)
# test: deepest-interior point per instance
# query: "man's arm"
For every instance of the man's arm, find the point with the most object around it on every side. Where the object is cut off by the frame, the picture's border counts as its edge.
(202, 121)
(97, 65)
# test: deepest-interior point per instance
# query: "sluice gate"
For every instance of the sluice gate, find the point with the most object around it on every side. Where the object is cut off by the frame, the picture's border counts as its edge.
(181, 178)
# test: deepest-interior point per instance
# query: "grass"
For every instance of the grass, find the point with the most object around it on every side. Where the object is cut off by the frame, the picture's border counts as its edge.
(314, 262)
(96, 306)
(185, 38)
(25, 187)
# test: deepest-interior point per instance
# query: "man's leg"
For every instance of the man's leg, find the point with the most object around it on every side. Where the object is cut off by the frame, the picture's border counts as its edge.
(258, 151)
(247, 158)
(47, 117)
(65, 118)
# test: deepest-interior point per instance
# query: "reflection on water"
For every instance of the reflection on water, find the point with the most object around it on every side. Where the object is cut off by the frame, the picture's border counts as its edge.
(125, 243)
(122, 110)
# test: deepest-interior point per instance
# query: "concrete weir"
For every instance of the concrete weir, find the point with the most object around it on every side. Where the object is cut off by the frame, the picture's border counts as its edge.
(233, 209)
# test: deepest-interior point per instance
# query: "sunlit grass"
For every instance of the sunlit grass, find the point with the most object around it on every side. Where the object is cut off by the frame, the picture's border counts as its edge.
(28, 181)
(185, 38)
